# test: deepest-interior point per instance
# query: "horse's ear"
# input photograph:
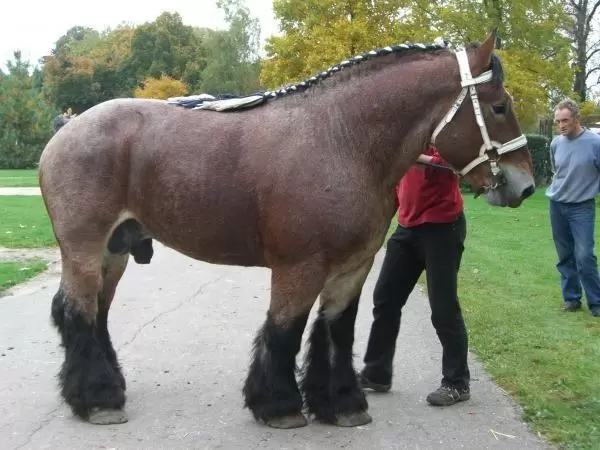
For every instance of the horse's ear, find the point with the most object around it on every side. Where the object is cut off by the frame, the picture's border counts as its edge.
(483, 54)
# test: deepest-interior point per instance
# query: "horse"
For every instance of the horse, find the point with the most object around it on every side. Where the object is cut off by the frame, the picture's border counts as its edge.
(300, 181)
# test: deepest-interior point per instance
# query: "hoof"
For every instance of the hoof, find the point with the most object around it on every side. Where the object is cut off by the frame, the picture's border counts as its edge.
(99, 416)
(287, 422)
(353, 420)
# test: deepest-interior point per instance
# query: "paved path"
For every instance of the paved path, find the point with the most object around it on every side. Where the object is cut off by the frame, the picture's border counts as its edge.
(20, 191)
(183, 330)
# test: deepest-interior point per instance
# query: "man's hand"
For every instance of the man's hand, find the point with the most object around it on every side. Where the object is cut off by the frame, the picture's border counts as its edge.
(424, 159)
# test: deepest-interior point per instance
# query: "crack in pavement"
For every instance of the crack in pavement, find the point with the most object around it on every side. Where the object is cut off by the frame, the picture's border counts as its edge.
(168, 311)
(49, 417)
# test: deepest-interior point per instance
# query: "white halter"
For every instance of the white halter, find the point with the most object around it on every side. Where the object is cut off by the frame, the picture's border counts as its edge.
(468, 84)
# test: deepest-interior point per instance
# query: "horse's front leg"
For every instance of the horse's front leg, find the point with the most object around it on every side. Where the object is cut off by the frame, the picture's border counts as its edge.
(271, 391)
(329, 383)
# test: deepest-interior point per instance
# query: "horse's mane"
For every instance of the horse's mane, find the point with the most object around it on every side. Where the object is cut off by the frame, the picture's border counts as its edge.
(348, 67)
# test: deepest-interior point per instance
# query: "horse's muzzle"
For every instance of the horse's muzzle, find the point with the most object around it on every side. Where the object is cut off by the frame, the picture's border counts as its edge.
(516, 185)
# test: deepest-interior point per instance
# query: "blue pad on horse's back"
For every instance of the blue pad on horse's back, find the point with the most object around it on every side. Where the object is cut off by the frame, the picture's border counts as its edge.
(223, 102)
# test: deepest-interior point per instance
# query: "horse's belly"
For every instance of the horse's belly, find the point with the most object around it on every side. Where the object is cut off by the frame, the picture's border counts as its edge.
(214, 246)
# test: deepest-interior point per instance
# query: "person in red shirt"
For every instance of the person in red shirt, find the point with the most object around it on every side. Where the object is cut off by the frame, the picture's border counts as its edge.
(430, 236)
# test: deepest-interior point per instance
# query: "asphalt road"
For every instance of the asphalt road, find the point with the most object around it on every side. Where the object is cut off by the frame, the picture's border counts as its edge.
(183, 331)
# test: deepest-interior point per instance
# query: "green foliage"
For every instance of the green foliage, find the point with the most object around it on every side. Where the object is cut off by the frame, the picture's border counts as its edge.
(87, 67)
(164, 47)
(25, 116)
(539, 146)
(232, 55)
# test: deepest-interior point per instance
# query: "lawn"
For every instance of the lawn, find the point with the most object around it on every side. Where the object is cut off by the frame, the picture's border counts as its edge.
(19, 178)
(24, 223)
(547, 360)
(12, 273)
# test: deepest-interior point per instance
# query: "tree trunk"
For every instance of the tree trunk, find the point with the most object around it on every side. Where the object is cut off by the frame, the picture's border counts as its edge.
(580, 33)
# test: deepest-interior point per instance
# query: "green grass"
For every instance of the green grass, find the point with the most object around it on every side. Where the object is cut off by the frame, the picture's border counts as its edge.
(547, 360)
(12, 273)
(24, 223)
(19, 178)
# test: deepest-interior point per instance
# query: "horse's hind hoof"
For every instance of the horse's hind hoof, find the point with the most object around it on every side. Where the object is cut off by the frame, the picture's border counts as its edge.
(353, 420)
(287, 422)
(100, 416)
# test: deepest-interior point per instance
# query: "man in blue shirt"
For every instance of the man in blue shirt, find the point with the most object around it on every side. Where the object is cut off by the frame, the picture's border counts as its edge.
(575, 158)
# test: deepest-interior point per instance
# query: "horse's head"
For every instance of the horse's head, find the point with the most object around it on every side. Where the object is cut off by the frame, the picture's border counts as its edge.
(480, 135)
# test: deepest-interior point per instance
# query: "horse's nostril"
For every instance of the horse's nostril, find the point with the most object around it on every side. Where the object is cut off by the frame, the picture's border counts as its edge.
(528, 192)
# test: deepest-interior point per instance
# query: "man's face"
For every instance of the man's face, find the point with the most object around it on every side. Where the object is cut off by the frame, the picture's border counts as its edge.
(566, 123)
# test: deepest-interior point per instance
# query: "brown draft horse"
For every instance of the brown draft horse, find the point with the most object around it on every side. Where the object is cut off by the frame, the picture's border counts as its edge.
(301, 184)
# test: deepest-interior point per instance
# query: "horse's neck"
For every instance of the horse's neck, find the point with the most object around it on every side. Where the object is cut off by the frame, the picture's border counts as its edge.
(383, 120)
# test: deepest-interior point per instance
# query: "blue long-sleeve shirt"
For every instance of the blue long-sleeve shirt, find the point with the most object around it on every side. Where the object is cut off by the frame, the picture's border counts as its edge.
(576, 167)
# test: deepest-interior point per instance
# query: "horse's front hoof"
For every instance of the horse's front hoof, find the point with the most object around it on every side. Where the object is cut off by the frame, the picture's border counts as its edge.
(287, 422)
(353, 419)
(100, 416)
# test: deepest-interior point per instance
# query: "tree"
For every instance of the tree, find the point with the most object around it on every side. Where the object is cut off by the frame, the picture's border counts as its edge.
(165, 46)
(73, 38)
(25, 116)
(318, 33)
(161, 88)
(586, 49)
(70, 81)
(88, 67)
(232, 55)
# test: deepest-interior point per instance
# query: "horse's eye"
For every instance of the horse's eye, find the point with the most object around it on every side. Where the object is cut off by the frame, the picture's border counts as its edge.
(499, 109)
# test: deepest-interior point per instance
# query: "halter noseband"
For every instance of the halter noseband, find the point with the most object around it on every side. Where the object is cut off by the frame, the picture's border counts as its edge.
(468, 84)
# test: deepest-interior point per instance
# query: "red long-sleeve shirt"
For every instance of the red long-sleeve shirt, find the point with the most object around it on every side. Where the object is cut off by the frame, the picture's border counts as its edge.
(428, 194)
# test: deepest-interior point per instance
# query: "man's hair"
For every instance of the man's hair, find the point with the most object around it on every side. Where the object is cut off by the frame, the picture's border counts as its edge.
(569, 104)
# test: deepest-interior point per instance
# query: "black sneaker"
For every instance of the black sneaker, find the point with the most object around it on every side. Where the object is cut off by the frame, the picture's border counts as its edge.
(448, 395)
(572, 306)
(366, 383)
(595, 311)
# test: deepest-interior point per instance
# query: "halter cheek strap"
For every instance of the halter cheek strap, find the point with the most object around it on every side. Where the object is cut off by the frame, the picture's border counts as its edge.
(468, 84)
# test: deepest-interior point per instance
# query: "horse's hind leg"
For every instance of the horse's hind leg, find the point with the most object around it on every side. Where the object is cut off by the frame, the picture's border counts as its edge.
(90, 383)
(329, 382)
(113, 267)
(271, 391)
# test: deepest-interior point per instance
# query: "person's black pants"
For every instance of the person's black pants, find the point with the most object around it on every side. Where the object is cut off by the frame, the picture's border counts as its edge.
(437, 249)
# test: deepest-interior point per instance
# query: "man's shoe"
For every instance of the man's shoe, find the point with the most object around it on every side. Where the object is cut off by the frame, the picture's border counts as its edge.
(448, 395)
(572, 306)
(365, 383)
(595, 311)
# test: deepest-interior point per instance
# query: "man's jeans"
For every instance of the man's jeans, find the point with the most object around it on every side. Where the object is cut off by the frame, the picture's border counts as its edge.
(573, 234)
